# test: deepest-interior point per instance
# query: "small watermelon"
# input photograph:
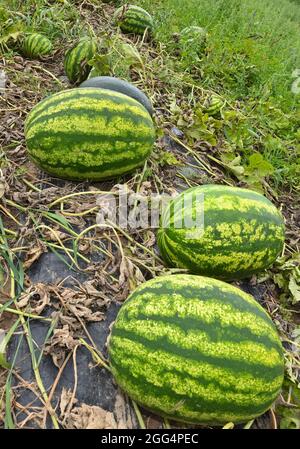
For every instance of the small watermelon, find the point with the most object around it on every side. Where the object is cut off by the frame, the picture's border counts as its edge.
(118, 85)
(242, 232)
(198, 350)
(77, 58)
(213, 105)
(35, 45)
(193, 39)
(133, 19)
(89, 134)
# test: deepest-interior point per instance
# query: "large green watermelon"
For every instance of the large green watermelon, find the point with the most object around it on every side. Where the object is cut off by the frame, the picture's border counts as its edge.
(133, 19)
(243, 232)
(196, 349)
(89, 134)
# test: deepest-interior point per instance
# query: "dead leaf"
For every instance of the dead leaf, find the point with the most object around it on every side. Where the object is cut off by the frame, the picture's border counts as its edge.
(65, 399)
(2, 189)
(130, 273)
(54, 235)
(61, 342)
(90, 417)
(34, 254)
(37, 296)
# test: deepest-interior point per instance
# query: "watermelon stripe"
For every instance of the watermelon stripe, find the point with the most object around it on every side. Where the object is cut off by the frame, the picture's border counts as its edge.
(199, 371)
(137, 22)
(91, 97)
(211, 293)
(36, 47)
(226, 267)
(214, 329)
(152, 392)
(99, 165)
(214, 191)
(44, 47)
(237, 365)
(90, 114)
(132, 28)
(233, 266)
(85, 137)
(30, 41)
(76, 173)
(229, 203)
(80, 55)
(186, 382)
(221, 234)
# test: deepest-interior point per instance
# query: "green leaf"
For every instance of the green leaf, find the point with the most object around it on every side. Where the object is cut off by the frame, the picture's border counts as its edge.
(233, 165)
(287, 277)
(291, 422)
(167, 158)
(101, 65)
(3, 341)
(289, 414)
(3, 362)
(59, 218)
(294, 287)
(131, 54)
(258, 165)
(9, 424)
(256, 170)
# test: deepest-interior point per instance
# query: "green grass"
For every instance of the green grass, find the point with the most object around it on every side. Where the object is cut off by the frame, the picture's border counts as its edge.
(253, 50)
(253, 45)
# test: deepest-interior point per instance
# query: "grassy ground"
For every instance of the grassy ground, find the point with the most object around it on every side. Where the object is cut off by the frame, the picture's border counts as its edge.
(253, 52)
(253, 49)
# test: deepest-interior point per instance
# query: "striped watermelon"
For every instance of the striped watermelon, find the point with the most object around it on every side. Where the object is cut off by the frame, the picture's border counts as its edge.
(36, 45)
(192, 39)
(214, 105)
(77, 58)
(87, 133)
(133, 19)
(196, 349)
(243, 232)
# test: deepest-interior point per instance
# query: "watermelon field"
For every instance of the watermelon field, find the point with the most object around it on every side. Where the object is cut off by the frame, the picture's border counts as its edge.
(150, 214)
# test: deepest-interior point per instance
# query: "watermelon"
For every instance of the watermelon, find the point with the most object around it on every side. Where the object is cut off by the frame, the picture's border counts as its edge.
(89, 134)
(193, 39)
(243, 232)
(214, 105)
(35, 45)
(77, 58)
(118, 85)
(196, 349)
(133, 19)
